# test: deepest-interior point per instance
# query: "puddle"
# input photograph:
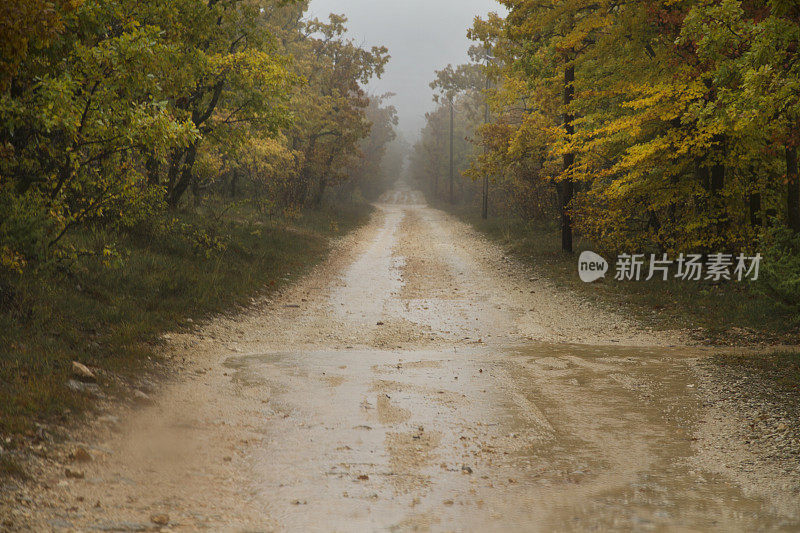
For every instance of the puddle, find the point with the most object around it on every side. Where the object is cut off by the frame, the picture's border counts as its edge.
(541, 437)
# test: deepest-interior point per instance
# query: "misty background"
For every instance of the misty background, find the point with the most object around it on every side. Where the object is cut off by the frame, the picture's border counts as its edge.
(422, 36)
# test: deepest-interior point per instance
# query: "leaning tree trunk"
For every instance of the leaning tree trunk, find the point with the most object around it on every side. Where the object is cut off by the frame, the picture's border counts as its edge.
(184, 179)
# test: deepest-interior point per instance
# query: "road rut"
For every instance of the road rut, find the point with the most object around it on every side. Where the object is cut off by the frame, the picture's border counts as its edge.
(418, 380)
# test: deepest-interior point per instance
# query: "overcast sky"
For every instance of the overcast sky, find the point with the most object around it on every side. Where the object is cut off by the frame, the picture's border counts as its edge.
(422, 36)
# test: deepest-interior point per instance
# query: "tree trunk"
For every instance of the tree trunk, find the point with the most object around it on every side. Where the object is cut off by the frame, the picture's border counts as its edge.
(185, 178)
(174, 169)
(754, 206)
(566, 187)
(703, 175)
(718, 168)
(485, 199)
(234, 183)
(792, 189)
(754, 198)
(718, 172)
(452, 134)
(320, 192)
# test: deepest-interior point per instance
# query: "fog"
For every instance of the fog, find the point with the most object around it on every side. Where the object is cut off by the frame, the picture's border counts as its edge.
(422, 36)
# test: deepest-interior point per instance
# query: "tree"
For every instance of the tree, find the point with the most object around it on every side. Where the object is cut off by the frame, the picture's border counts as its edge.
(234, 74)
(754, 53)
(669, 111)
(430, 155)
(557, 32)
(111, 110)
(450, 82)
(77, 111)
(329, 109)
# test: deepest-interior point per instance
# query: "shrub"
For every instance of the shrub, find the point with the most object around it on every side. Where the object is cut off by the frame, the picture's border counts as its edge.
(780, 271)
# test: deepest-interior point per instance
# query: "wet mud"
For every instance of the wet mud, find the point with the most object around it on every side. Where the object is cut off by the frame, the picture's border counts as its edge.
(419, 380)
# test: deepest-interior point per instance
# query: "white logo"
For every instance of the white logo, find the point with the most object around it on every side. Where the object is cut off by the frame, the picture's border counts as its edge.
(591, 267)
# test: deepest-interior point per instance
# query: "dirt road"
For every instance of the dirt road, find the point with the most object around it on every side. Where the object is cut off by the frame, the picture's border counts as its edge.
(418, 380)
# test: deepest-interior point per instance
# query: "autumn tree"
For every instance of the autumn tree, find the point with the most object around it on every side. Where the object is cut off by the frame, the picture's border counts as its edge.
(110, 111)
(668, 116)
(329, 119)
(77, 111)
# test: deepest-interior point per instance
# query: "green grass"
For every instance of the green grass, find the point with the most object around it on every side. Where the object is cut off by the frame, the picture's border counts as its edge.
(728, 313)
(110, 314)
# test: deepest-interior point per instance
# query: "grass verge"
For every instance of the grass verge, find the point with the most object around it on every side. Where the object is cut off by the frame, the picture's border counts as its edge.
(724, 314)
(107, 307)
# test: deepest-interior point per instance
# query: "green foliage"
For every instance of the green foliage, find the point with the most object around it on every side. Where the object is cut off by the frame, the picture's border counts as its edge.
(22, 231)
(781, 271)
(112, 111)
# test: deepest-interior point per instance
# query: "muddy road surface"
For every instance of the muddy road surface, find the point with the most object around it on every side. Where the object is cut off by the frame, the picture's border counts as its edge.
(418, 380)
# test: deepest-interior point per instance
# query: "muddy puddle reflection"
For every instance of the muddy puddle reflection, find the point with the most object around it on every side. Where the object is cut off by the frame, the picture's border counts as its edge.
(535, 438)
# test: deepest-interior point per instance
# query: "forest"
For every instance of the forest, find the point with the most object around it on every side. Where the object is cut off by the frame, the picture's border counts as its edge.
(113, 112)
(166, 158)
(248, 283)
(663, 126)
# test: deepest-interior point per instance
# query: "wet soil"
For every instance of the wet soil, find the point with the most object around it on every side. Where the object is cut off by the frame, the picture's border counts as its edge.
(419, 380)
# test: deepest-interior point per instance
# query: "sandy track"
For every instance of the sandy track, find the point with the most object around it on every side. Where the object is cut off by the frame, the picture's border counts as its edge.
(417, 380)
